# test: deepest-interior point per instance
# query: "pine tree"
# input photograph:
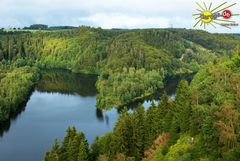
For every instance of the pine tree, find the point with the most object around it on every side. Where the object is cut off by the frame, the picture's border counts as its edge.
(122, 135)
(54, 155)
(174, 132)
(182, 108)
(47, 156)
(74, 147)
(71, 133)
(138, 129)
(95, 149)
(83, 154)
(164, 100)
(166, 113)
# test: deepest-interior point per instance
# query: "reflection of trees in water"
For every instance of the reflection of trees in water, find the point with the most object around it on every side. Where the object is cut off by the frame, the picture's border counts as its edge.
(107, 119)
(170, 86)
(5, 126)
(60, 81)
(84, 85)
(101, 117)
(99, 114)
(65, 82)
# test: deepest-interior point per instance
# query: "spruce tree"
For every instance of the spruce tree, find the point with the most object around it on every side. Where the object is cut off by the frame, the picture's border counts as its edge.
(71, 133)
(54, 155)
(166, 113)
(152, 125)
(83, 154)
(74, 147)
(182, 108)
(121, 135)
(47, 156)
(138, 129)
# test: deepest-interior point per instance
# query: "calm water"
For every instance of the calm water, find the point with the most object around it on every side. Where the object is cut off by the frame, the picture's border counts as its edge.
(52, 107)
(61, 99)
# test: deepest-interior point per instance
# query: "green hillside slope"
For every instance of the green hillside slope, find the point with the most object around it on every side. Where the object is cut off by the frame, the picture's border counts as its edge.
(148, 55)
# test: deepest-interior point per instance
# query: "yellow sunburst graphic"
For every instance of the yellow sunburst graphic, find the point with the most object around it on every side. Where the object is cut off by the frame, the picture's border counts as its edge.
(212, 16)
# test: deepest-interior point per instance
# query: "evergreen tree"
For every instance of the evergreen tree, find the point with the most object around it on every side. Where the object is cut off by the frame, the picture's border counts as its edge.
(54, 154)
(74, 147)
(47, 156)
(174, 132)
(122, 135)
(151, 125)
(71, 133)
(83, 154)
(182, 108)
(138, 129)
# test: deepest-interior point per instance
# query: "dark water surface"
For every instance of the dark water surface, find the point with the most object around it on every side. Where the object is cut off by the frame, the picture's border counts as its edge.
(61, 99)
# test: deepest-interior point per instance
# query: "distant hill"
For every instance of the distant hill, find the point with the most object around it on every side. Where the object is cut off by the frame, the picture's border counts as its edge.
(152, 52)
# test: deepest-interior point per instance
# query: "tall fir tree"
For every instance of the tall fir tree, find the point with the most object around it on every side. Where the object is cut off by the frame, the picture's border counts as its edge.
(121, 135)
(83, 154)
(71, 133)
(182, 107)
(138, 125)
(74, 147)
(54, 154)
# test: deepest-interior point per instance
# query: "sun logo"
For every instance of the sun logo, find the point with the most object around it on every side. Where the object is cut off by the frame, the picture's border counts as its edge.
(219, 14)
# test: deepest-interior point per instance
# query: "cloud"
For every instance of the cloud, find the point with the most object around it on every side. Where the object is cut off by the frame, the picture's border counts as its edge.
(125, 21)
(103, 13)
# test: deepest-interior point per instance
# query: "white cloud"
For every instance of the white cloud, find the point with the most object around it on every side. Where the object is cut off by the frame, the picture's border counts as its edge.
(124, 21)
(103, 13)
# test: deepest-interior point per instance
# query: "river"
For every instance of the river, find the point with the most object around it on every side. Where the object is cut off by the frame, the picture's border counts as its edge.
(61, 99)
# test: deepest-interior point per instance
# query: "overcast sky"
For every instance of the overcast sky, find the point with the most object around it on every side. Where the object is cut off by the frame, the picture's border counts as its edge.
(106, 13)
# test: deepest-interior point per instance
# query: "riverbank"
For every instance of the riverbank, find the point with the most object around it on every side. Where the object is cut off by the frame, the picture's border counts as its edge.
(170, 81)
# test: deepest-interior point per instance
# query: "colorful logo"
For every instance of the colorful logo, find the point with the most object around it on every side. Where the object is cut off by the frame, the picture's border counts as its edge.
(227, 14)
(209, 15)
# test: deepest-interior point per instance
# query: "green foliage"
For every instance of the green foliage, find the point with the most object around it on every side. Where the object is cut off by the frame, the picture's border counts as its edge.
(165, 52)
(74, 148)
(179, 151)
(131, 84)
(182, 108)
(101, 146)
(201, 124)
(132, 64)
(54, 155)
(231, 155)
(15, 87)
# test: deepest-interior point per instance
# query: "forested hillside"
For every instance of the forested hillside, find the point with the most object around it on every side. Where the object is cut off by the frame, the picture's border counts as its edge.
(15, 87)
(119, 57)
(201, 123)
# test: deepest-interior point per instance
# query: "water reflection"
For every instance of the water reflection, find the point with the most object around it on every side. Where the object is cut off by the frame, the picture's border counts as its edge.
(61, 99)
(99, 114)
(107, 119)
(170, 88)
(57, 81)
(65, 82)
(5, 126)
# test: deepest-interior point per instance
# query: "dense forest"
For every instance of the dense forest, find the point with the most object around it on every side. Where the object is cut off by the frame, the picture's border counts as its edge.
(15, 87)
(201, 123)
(117, 54)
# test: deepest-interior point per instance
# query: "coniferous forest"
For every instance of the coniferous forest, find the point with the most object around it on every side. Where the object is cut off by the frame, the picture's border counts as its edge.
(201, 123)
